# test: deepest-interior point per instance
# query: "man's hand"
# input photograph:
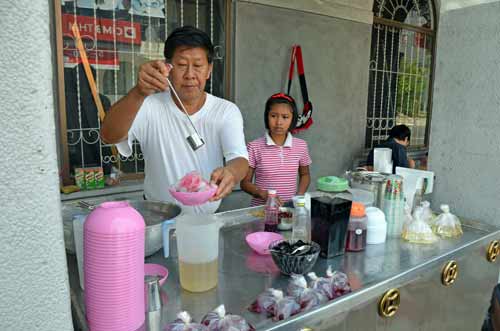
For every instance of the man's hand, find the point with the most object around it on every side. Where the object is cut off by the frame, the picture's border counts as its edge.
(225, 179)
(152, 77)
(411, 163)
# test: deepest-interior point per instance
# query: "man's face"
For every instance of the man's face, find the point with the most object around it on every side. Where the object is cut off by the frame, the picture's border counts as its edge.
(406, 142)
(190, 72)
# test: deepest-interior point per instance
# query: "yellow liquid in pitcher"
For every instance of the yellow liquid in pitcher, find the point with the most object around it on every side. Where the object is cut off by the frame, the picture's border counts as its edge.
(198, 277)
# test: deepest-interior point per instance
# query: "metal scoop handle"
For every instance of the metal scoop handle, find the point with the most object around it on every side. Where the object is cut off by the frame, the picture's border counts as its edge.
(182, 105)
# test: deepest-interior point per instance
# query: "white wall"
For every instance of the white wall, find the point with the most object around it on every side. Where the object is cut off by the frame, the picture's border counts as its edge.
(465, 140)
(33, 276)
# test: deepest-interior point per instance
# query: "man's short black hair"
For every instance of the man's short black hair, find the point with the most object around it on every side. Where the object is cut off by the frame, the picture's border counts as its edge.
(191, 37)
(281, 98)
(400, 132)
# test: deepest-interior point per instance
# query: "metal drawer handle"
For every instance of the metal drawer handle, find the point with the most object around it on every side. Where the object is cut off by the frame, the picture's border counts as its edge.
(449, 273)
(389, 303)
(493, 251)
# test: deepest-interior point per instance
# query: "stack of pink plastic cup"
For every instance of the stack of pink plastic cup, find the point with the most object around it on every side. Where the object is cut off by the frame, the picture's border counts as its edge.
(114, 267)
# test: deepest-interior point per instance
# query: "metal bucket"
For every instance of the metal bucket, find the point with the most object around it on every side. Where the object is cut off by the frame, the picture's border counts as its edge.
(153, 212)
(371, 181)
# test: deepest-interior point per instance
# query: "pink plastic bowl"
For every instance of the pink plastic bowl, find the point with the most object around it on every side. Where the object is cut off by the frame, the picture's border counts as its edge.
(260, 241)
(151, 269)
(193, 198)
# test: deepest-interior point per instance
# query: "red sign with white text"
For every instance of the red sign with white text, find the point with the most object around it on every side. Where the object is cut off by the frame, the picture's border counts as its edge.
(101, 59)
(103, 28)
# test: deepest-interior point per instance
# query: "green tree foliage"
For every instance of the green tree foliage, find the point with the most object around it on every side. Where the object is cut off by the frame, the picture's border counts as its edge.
(413, 80)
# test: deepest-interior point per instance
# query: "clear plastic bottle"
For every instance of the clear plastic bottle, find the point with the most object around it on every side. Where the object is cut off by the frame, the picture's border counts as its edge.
(271, 211)
(301, 222)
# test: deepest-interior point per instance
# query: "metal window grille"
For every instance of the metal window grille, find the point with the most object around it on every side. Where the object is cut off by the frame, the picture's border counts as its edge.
(400, 69)
(120, 35)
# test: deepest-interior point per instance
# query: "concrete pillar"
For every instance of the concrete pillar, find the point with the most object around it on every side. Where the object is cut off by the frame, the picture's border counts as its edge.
(34, 290)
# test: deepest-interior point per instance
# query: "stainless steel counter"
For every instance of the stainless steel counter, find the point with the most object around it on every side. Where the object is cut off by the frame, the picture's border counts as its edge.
(243, 275)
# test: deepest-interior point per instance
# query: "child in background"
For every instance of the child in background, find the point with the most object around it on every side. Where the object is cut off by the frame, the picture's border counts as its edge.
(276, 158)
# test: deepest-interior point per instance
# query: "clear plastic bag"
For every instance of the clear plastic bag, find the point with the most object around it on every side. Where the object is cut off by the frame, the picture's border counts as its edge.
(332, 286)
(264, 302)
(427, 214)
(448, 225)
(184, 323)
(192, 182)
(218, 320)
(322, 284)
(306, 297)
(284, 307)
(340, 282)
(275, 304)
(415, 230)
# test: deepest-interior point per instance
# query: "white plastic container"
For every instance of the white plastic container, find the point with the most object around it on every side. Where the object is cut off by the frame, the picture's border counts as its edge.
(376, 226)
(382, 160)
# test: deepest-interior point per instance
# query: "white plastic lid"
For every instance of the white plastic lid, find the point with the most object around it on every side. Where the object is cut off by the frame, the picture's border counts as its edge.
(271, 192)
(375, 216)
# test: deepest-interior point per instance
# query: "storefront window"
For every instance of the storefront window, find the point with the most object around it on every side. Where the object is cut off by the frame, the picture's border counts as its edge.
(118, 36)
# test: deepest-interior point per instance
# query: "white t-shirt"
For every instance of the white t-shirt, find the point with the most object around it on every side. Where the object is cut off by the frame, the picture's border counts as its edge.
(162, 128)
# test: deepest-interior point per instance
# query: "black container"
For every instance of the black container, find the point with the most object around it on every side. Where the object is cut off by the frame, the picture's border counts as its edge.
(329, 220)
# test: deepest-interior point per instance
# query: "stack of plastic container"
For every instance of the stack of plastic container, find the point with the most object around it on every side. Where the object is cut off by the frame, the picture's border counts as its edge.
(394, 205)
(114, 267)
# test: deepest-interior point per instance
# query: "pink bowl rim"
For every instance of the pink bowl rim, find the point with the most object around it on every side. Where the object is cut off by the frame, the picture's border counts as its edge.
(193, 198)
(153, 269)
(250, 242)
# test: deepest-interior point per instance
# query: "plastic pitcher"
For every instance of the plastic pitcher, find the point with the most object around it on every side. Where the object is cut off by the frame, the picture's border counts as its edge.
(198, 250)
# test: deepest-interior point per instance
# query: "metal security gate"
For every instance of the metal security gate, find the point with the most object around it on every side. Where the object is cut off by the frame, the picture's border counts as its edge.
(400, 69)
(118, 36)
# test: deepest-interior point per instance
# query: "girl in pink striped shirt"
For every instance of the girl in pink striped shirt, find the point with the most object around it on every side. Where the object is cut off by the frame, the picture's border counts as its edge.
(276, 158)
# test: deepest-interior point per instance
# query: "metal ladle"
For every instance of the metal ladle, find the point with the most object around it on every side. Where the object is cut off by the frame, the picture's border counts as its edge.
(194, 139)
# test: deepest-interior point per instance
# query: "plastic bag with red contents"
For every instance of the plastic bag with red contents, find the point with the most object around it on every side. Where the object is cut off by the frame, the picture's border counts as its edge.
(332, 286)
(192, 182)
(275, 305)
(340, 282)
(284, 307)
(264, 302)
(307, 298)
(184, 323)
(218, 320)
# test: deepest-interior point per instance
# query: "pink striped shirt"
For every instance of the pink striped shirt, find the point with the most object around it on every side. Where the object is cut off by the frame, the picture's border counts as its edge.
(276, 167)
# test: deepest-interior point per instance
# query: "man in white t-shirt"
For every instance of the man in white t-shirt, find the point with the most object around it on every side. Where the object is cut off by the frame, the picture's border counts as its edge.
(152, 115)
